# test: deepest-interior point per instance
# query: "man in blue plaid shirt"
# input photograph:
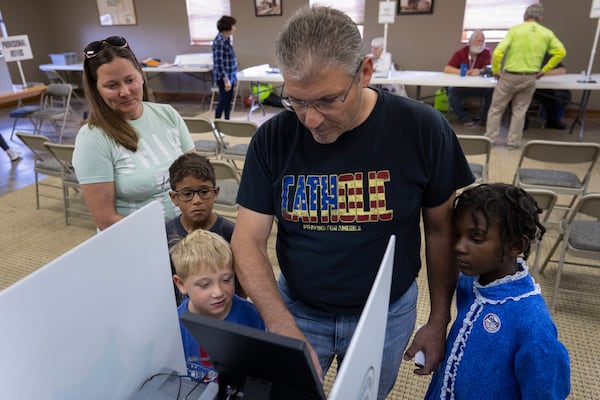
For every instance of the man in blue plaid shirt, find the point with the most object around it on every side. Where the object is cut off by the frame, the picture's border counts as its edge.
(224, 65)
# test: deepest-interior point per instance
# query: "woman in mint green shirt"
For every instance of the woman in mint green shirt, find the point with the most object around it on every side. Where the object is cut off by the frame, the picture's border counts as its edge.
(123, 153)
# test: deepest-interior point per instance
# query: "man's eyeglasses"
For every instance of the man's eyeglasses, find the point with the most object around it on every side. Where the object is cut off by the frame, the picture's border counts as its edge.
(188, 194)
(324, 105)
(94, 48)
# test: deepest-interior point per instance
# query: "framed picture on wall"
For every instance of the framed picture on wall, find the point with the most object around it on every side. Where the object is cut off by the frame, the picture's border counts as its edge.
(267, 8)
(116, 12)
(409, 7)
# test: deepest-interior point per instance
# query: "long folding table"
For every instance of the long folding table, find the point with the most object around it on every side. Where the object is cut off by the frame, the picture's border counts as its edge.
(195, 70)
(262, 74)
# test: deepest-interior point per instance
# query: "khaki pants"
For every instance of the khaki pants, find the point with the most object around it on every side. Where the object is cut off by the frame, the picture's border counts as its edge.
(517, 89)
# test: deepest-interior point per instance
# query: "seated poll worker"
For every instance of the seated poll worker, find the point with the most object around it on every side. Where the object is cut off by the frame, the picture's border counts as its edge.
(383, 65)
(343, 168)
(382, 60)
(477, 57)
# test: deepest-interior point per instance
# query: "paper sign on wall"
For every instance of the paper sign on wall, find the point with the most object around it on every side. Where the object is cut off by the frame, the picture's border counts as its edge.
(595, 12)
(387, 12)
(15, 48)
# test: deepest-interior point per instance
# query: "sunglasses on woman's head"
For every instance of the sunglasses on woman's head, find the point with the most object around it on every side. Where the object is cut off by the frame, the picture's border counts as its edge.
(92, 49)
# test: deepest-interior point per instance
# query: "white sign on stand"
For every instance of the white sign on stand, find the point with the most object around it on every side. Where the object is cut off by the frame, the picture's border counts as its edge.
(16, 48)
(387, 12)
(595, 11)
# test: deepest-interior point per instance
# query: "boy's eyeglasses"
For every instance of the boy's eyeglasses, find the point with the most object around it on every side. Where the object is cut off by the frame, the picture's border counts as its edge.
(94, 48)
(188, 194)
(324, 105)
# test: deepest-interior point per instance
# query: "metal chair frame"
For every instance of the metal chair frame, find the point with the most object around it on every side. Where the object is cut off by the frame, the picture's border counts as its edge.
(238, 129)
(63, 153)
(477, 146)
(228, 180)
(583, 221)
(44, 163)
(563, 167)
(55, 106)
(206, 147)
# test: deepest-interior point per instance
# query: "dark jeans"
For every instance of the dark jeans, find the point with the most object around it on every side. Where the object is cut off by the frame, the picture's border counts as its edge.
(225, 98)
(553, 102)
(456, 95)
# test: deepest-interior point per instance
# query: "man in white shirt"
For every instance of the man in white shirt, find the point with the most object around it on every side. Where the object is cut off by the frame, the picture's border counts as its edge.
(382, 63)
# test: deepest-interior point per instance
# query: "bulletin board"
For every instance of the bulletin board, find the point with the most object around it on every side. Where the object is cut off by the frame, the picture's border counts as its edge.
(116, 12)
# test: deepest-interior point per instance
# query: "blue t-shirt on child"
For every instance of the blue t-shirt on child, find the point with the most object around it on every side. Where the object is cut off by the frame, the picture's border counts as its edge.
(199, 367)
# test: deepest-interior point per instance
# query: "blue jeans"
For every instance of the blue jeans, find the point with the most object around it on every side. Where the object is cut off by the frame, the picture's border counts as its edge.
(225, 98)
(330, 333)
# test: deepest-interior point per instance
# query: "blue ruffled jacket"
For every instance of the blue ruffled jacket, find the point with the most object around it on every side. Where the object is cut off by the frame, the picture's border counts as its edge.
(502, 345)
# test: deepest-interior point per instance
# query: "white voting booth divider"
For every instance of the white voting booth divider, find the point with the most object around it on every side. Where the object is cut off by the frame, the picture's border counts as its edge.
(96, 322)
(358, 377)
(101, 319)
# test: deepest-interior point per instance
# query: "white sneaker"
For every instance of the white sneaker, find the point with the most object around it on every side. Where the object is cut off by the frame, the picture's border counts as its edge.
(13, 155)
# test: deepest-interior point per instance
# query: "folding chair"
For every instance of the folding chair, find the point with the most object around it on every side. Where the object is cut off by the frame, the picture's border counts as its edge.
(563, 167)
(55, 77)
(43, 163)
(22, 112)
(236, 130)
(201, 126)
(546, 200)
(478, 150)
(580, 238)
(55, 106)
(63, 153)
(228, 181)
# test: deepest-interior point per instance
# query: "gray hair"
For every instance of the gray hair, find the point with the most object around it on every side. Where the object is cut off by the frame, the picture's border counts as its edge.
(476, 33)
(316, 39)
(377, 42)
(534, 11)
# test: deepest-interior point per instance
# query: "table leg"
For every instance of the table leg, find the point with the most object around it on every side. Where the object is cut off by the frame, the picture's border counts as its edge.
(579, 119)
(258, 104)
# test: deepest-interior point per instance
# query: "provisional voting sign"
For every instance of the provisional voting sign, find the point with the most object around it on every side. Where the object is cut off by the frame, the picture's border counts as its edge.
(16, 48)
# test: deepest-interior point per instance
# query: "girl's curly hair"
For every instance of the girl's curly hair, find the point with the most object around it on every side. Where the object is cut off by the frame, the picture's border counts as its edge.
(512, 208)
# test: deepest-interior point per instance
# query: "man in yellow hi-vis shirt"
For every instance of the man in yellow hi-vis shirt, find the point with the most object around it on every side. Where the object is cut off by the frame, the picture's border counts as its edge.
(520, 54)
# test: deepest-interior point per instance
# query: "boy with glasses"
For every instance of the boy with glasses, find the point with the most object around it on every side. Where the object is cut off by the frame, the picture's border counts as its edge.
(194, 190)
(344, 168)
